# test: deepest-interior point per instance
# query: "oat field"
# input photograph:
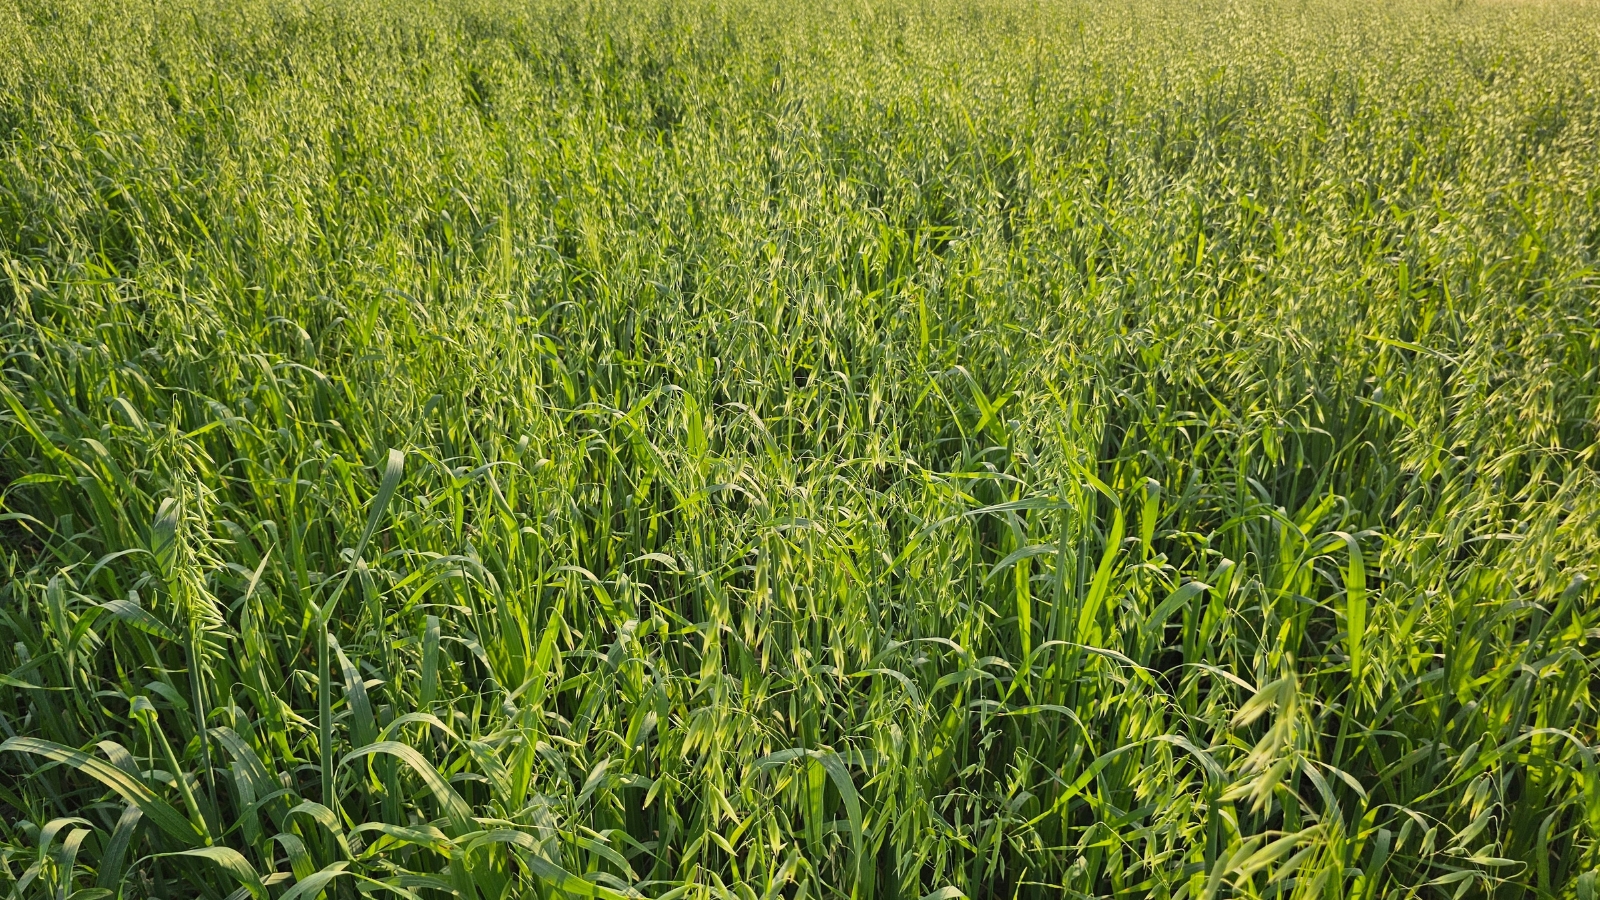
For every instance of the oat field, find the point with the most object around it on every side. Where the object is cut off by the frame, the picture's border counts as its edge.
(866, 449)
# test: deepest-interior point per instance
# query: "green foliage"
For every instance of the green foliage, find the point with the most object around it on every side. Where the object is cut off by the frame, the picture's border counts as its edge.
(901, 450)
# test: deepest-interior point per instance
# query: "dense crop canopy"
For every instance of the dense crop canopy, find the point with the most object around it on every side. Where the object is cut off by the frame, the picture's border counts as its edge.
(907, 449)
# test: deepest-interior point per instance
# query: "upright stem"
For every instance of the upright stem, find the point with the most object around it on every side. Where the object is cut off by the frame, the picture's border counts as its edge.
(324, 711)
(198, 697)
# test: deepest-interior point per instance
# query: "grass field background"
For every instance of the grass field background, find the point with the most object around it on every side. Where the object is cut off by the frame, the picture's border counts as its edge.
(876, 450)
